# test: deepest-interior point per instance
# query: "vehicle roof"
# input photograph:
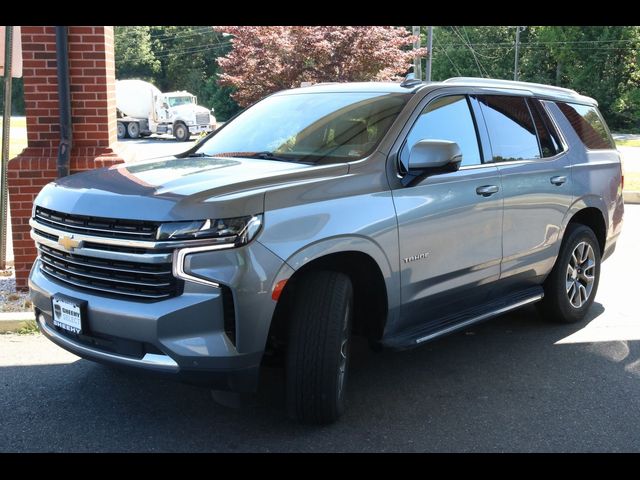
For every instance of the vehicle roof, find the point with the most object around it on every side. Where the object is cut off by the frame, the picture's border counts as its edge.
(181, 93)
(527, 88)
(381, 87)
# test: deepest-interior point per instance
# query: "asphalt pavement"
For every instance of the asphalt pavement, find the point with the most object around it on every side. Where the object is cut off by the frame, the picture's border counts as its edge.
(512, 384)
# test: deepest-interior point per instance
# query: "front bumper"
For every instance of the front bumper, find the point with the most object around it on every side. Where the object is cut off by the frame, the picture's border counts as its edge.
(182, 336)
(200, 128)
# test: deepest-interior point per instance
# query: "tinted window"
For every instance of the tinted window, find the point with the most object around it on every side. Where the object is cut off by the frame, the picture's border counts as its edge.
(549, 140)
(588, 124)
(447, 118)
(511, 130)
(318, 127)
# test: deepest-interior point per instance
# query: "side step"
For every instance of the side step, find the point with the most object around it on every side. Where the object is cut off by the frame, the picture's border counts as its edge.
(444, 326)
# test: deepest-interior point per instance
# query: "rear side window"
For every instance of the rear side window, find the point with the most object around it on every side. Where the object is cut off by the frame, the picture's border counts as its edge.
(511, 129)
(588, 124)
(446, 118)
(550, 144)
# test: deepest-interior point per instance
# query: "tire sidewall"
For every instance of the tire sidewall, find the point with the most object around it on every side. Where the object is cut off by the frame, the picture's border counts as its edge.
(136, 130)
(341, 392)
(185, 136)
(567, 311)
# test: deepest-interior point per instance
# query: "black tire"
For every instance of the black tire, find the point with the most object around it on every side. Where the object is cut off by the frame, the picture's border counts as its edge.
(122, 130)
(181, 132)
(133, 129)
(318, 347)
(556, 305)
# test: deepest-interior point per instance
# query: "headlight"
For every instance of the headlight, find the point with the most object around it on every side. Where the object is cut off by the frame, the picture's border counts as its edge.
(191, 122)
(239, 230)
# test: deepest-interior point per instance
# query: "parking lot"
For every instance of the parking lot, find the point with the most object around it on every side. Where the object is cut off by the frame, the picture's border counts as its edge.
(515, 383)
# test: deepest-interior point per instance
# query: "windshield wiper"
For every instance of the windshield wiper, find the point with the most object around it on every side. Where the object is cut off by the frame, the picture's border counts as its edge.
(197, 154)
(266, 155)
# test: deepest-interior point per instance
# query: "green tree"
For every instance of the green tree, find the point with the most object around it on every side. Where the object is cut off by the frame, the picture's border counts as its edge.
(133, 55)
(188, 61)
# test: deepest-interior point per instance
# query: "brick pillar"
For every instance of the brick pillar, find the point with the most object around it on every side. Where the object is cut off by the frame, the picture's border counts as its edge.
(93, 111)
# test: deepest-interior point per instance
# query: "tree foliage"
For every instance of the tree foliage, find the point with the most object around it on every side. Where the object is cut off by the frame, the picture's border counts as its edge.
(601, 62)
(271, 58)
(133, 53)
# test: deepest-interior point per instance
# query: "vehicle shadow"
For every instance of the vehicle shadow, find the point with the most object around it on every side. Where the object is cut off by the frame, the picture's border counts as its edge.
(503, 385)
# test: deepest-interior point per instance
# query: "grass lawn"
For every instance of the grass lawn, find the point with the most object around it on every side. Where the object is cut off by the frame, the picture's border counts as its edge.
(628, 143)
(632, 181)
(18, 139)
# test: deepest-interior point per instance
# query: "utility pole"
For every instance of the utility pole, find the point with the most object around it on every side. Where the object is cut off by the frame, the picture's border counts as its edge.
(515, 68)
(429, 52)
(417, 61)
(6, 124)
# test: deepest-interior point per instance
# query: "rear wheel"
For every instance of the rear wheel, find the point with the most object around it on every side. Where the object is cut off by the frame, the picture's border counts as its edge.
(181, 132)
(122, 130)
(571, 286)
(133, 129)
(318, 347)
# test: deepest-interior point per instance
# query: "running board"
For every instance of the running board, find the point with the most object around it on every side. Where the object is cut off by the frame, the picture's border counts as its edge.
(415, 337)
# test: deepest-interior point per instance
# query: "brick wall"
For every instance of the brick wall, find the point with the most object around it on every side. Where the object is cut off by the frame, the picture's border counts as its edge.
(93, 112)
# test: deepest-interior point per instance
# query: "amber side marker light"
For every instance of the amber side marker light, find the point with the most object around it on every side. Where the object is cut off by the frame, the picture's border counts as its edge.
(277, 290)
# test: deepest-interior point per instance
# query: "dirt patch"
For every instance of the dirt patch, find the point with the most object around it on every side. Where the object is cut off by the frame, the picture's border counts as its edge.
(10, 299)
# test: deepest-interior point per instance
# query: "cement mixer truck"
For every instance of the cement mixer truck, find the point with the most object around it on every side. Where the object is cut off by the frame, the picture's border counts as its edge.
(143, 109)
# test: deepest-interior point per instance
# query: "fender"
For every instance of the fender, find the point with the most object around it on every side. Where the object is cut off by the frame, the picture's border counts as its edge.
(580, 203)
(349, 243)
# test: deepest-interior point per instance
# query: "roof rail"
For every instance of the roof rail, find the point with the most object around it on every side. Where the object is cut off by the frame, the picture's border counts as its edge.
(512, 83)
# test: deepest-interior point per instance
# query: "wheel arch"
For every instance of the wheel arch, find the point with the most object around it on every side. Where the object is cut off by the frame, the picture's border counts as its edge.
(589, 211)
(371, 299)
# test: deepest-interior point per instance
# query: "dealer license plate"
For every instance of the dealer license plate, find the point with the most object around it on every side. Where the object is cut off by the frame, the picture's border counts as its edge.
(67, 314)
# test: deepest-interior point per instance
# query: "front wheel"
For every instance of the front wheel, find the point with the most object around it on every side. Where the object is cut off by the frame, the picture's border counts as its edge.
(181, 132)
(318, 347)
(571, 286)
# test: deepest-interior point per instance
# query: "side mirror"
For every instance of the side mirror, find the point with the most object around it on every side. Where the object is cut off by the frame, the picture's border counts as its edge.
(213, 110)
(435, 154)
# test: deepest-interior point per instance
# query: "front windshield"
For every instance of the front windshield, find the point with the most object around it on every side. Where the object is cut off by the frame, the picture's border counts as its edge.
(309, 127)
(175, 101)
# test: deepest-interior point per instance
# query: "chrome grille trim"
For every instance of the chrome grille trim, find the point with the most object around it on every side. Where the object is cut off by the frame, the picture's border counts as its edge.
(202, 118)
(152, 258)
(130, 243)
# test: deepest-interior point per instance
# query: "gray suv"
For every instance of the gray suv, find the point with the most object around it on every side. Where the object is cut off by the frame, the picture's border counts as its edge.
(396, 212)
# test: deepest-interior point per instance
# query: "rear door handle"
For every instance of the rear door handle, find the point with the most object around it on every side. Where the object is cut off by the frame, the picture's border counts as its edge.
(558, 179)
(487, 190)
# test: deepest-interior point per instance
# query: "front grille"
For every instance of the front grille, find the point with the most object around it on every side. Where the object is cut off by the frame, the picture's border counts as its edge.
(144, 281)
(97, 226)
(202, 118)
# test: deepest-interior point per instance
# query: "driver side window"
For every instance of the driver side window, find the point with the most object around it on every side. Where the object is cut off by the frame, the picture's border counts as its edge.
(446, 118)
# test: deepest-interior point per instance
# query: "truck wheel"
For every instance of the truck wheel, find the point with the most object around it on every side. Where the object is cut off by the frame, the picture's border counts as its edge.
(572, 284)
(181, 132)
(122, 130)
(133, 129)
(318, 347)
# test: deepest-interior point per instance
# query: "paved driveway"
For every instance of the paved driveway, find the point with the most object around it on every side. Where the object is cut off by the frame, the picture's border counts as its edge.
(514, 383)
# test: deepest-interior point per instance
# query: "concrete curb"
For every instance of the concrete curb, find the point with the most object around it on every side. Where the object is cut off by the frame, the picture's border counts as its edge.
(14, 321)
(631, 197)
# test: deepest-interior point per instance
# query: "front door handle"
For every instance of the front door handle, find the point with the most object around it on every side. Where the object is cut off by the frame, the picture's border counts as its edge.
(558, 179)
(487, 190)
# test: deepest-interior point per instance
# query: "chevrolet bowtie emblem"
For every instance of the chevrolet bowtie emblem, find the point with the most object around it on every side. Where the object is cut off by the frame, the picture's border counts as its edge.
(68, 243)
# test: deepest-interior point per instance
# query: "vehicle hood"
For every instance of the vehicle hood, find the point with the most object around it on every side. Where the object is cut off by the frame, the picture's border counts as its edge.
(186, 110)
(179, 189)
